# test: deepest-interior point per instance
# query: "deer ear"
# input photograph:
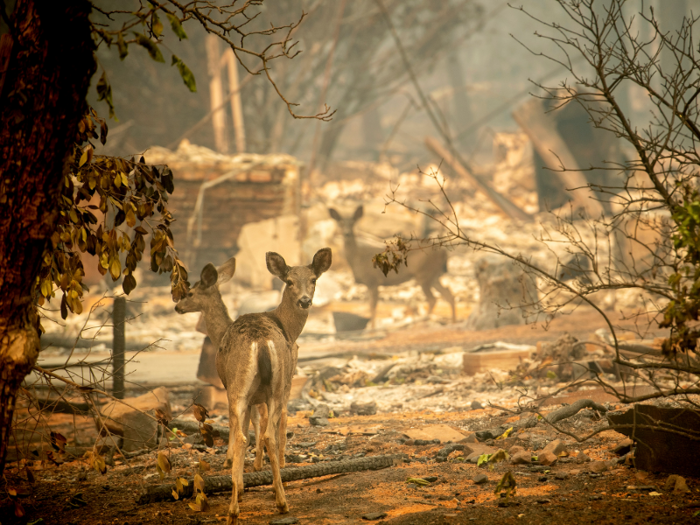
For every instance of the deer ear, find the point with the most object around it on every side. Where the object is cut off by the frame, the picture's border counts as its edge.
(358, 213)
(209, 276)
(227, 270)
(276, 265)
(322, 261)
(334, 214)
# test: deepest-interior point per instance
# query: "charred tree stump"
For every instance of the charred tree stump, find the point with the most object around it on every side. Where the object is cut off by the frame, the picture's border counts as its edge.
(213, 484)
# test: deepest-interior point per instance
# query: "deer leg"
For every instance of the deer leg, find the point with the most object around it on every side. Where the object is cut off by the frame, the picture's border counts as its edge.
(447, 296)
(260, 423)
(271, 435)
(283, 436)
(429, 297)
(237, 442)
(373, 300)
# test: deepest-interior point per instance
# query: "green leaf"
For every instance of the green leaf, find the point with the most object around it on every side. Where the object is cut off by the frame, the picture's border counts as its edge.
(156, 25)
(123, 48)
(185, 73)
(483, 459)
(104, 92)
(176, 26)
(150, 46)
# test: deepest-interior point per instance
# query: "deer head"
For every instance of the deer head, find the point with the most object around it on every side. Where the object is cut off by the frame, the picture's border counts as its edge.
(300, 280)
(207, 288)
(346, 224)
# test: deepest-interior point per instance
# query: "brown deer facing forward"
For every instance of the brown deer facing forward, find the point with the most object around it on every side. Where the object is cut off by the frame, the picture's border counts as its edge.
(425, 267)
(205, 297)
(256, 361)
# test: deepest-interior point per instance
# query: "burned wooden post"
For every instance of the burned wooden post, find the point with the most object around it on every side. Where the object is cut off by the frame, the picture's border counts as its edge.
(118, 345)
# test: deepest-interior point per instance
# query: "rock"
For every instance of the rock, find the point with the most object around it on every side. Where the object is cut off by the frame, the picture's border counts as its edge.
(676, 484)
(582, 458)
(444, 452)
(515, 449)
(545, 457)
(476, 405)
(320, 416)
(107, 444)
(537, 443)
(556, 447)
(471, 438)
(561, 475)
(477, 450)
(135, 423)
(598, 466)
(373, 516)
(521, 458)
(366, 409)
(575, 472)
(623, 447)
(444, 433)
(480, 479)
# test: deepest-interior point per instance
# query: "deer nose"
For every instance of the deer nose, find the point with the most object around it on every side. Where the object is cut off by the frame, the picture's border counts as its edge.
(178, 309)
(305, 301)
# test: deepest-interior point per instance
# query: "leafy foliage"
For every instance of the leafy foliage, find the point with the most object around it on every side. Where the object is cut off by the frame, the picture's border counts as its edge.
(684, 282)
(108, 207)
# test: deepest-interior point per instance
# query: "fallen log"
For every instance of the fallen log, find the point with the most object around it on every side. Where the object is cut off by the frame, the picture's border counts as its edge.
(213, 484)
(192, 427)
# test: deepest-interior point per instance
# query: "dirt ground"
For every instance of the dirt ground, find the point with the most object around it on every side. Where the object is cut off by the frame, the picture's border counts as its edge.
(574, 489)
(567, 491)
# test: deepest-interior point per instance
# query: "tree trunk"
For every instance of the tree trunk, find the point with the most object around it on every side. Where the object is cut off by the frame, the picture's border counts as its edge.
(42, 100)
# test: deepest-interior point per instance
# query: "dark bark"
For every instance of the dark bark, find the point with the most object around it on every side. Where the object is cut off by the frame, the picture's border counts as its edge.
(213, 484)
(42, 99)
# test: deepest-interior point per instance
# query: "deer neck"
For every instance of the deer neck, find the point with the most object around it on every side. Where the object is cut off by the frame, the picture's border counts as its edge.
(292, 317)
(217, 319)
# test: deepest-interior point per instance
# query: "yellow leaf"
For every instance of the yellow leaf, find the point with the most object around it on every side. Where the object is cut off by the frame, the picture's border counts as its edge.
(118, 180)
(505, 434)
(163, 462)
(175, 494)
(130, 218)
(203, 465)
(83, 158)
(46, 288)
(198, 483)
(92, 183)
(115, 270)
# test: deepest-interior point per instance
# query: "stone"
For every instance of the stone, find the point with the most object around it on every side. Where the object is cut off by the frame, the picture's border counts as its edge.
(476, 405)
(108, 444)
(582, 458)
(561, 475)
(364, 409)
(676, 483)
(623, 447)
(477, 450)
(480, 479)
(598, 467)
(556, 447)
(320, 416)
(373, 516)
(515, 449)
(521, 458)
(135, 423)
(545, 457)
(471, 438)
(442, 432)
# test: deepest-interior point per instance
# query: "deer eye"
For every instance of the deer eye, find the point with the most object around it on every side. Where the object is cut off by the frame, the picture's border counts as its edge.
(290, 283)
(313, 281)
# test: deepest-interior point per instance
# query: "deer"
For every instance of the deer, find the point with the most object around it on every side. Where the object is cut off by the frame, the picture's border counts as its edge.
(205, 297)
(426, 267)
(256, 360)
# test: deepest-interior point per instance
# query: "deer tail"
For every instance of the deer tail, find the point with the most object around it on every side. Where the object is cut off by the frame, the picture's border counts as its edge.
(265, 363)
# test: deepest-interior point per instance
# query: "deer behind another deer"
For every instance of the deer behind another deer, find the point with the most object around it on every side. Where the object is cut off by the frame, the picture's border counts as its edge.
(425, 266)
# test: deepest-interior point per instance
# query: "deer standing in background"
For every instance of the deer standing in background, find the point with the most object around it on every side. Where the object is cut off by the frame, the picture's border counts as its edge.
(425, 267)
(205, 297)
(256, 361)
